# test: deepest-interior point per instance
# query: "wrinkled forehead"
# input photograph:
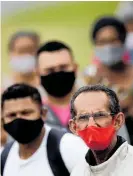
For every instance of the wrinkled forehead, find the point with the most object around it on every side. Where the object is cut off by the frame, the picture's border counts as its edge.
(54, 59)
(90, 102)
(20, 104)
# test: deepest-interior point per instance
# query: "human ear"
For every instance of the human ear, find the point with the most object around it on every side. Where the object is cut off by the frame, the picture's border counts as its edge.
(72, 126)
(119, 121)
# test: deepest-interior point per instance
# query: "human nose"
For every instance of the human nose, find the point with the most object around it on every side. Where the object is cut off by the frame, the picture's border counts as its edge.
(91, 122)
(18, 115)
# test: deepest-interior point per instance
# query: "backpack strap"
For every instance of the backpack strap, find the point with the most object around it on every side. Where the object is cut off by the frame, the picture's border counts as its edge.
(55, 160)
(4, 156)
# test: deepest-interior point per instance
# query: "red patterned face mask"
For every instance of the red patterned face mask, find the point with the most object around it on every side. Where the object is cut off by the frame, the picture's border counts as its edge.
(97, 138)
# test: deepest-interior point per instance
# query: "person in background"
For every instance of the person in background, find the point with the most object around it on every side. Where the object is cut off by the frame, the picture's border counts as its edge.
(108, 36)
(124, 13)
(96, 118)
(22, 48)
(37, 149)
(58, 72)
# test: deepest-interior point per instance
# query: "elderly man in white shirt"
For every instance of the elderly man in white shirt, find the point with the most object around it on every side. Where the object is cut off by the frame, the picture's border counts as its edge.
(96, 118)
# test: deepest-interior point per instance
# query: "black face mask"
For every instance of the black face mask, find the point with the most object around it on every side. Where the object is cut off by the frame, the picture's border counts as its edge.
(24, 131)
(58, 84)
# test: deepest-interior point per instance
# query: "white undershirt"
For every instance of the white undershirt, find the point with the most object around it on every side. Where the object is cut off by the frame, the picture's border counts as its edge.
(72, 149)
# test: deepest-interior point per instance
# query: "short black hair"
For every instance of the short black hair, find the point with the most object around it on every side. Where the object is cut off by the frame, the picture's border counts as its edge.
(109, 21)
(114, 106)
(17, 91)
(53, 46)
(33, 35)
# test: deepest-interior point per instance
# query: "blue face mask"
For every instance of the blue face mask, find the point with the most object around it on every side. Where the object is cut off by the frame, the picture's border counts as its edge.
(23, 64)
(109, 55)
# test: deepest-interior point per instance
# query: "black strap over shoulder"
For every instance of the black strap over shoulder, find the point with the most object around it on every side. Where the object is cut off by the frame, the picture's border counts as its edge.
(4, 155)
(55, 160)
(53, 152)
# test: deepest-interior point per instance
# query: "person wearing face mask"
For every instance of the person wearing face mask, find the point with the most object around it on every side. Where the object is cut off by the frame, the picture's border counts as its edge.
(22, 48)
(108, 36)
(58, 70)
(110, 56)
(37, 148)
(125, 14)
(97, 118)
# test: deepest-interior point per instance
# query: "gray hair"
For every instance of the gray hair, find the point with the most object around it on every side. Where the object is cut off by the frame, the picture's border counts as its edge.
(113, 99)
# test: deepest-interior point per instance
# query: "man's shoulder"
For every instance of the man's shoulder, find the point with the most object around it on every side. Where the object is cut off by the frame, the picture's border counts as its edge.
(81, 169)
(73, 146)
(14, 146)
(47, 128)
(73, 150)
(67, 137)
(71, 139)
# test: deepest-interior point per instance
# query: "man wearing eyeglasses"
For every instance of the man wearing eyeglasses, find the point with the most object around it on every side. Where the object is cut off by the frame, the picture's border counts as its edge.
(96, 118)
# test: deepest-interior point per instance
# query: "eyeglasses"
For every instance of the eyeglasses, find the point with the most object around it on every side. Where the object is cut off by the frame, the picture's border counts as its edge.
(84, 118)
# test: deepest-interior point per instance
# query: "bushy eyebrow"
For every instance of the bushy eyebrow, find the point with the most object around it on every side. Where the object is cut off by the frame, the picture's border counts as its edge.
(30, 110)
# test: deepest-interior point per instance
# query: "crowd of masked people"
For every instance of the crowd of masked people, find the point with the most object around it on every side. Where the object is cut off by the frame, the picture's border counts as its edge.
(53, 117)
